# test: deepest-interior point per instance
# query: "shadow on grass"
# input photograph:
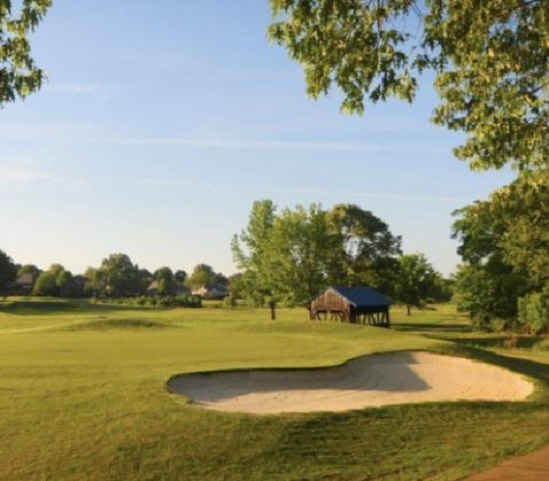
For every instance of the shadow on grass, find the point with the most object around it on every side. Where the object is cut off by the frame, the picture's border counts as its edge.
(61, 306)
(497, 342)
(110, 324)
(430, 327)
(535, 370)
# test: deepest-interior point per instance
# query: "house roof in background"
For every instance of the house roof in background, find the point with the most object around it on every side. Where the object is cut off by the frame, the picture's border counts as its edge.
(25, 279)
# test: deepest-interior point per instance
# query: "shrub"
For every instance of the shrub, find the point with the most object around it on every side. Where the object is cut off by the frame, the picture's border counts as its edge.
(229, 302)
(533, 310)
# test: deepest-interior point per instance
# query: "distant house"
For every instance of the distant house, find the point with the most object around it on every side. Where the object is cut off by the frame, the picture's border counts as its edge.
(152, 290)
(358, 305)
(213, 292)
(24, 284)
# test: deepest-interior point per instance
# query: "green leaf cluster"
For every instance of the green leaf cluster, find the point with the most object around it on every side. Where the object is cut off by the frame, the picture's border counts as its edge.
(56, 281)
(19, 76)
(416, 280)
(490, 62)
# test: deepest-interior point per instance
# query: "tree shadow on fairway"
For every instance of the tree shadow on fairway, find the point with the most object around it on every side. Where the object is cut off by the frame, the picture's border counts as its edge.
(60, 306)
(387, 373)
(497, 342)
(526, 367)
(430, 327)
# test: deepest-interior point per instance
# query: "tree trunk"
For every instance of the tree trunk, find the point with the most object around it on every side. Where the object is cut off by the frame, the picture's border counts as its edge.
(409, 311)
(272, 305)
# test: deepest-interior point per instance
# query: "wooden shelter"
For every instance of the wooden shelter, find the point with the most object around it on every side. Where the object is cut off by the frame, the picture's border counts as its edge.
(358, 305)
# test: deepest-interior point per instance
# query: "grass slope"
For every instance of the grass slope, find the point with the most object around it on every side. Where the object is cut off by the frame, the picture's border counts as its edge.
(82, 397)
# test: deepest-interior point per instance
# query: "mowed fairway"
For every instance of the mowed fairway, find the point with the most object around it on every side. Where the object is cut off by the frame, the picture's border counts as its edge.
(83, 397)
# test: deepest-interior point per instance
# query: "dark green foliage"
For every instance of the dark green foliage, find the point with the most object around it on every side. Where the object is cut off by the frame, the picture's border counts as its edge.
(8, 272)
(522, 209)
(56, 282)
(183, 300)
(180, 276)
(415, 281)
(203, 275)
(119, 277)
(166, 283)
(229, 302)
(235, 286)
(504, 243)
(366, 252)
(533, 312)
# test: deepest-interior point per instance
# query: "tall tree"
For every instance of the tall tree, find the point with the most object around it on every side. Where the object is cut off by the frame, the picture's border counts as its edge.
(94, 282)
(522, 210)
(490, 64)
(367, 253)
(487, 286)
(203, 275)
(303, 242)
(7, 273)
(235, 285)
(120, 277)
(45, 285)
(166, 282)
(19, 76)
(56, 281)
(290, 257)
(416, 280)
(180, 276)
(253, 253)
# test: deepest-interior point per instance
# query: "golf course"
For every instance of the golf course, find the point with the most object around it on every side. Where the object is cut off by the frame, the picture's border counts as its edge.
(84, 396)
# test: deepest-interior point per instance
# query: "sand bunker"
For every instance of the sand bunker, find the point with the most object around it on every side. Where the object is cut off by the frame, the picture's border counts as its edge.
(379, 380)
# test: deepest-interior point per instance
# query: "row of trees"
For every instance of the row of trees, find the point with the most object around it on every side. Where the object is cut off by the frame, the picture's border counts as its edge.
(116, 277)
(290, 256)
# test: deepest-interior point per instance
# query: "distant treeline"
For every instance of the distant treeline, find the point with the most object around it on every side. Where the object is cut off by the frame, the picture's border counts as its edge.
(116, 278)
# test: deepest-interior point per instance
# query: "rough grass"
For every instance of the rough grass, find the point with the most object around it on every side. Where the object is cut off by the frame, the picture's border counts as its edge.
(106, 324)
(83, 397)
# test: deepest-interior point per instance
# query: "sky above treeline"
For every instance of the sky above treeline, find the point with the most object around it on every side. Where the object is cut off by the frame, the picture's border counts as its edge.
(162, 122)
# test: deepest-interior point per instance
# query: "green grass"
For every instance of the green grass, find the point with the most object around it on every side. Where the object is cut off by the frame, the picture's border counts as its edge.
(83, 397)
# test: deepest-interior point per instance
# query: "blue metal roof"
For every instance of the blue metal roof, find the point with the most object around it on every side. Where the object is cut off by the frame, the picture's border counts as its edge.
(363, 296)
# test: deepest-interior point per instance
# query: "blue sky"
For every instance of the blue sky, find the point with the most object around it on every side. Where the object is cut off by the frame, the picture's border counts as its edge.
(163, 121)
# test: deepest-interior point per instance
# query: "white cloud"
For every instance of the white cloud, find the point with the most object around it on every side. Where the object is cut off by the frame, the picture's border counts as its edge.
(247, 144)
(17, 176)
(77, 88)
(21, 175)
(231, 187)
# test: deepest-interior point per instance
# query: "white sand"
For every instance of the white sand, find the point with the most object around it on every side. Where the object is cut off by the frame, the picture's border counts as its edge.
(379, 380)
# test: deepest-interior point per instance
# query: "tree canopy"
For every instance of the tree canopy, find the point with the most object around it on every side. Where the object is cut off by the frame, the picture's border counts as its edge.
(118, 276)
(56, 281)
(504, 243)
(292, 255)
(490, 62)
(8, 272)
(416, 280)
(203, 275)
(19, 76)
